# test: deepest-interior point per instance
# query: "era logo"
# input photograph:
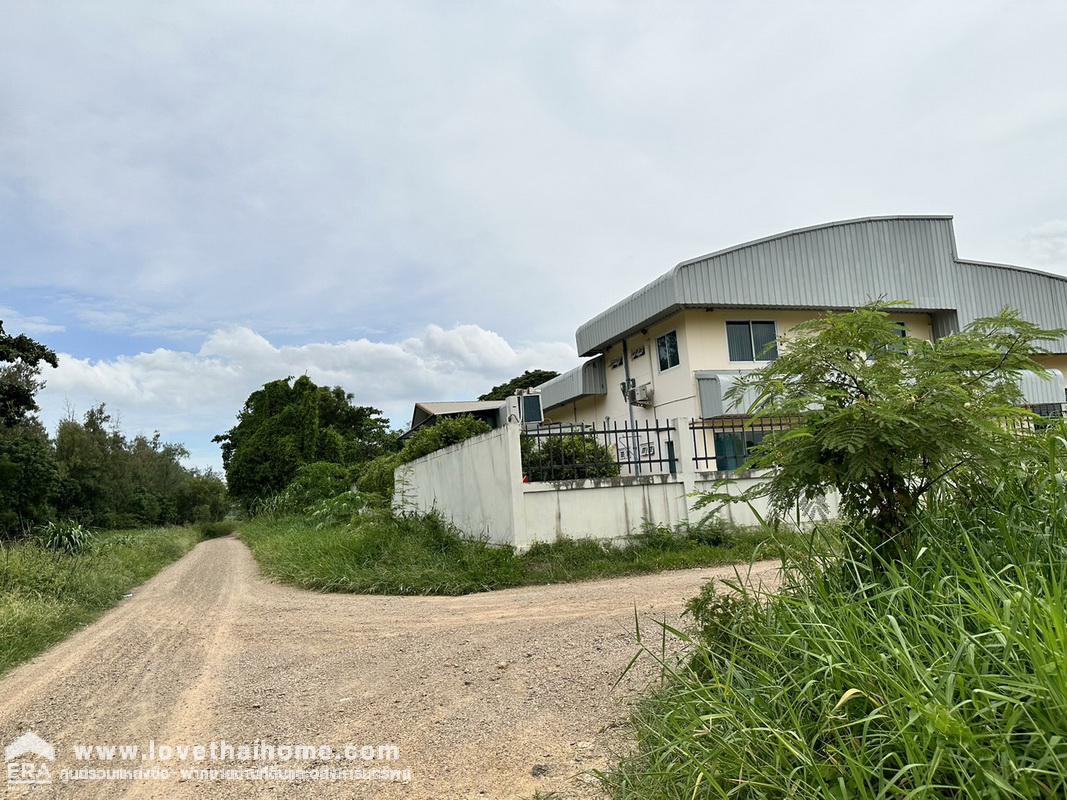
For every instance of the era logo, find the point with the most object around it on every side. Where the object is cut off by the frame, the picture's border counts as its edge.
(27, 760)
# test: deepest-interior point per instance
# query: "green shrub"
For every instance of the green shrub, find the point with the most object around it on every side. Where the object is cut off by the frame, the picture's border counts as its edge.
(716, 614)
(316, 482)
(564, 458)
(712, 531)
(887, 423)
(376, 476)
(341, 509)
(214, 530)
(65, 536)
(445, 432)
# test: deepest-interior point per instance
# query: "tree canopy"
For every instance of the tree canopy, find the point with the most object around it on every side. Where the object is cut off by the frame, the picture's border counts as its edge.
(529, 379)
(884, 420)
(90, 472)
(21, 358)
(288, 423)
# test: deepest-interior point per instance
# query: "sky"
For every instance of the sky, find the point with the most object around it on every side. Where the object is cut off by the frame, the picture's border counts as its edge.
(417, 201)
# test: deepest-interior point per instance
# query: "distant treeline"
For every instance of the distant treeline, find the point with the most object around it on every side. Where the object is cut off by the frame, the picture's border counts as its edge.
(89, 471)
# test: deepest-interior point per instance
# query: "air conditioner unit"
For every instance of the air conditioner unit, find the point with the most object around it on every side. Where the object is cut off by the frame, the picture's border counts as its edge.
(530, 412)
(636, 395)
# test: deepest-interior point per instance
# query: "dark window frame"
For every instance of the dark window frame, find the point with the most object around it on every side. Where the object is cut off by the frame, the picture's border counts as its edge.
(660, 342)
(755, 359)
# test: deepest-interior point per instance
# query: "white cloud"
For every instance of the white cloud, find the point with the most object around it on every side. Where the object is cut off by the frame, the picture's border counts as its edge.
(1047, 244)
(316, 167)
(190, 396)
(15, 323)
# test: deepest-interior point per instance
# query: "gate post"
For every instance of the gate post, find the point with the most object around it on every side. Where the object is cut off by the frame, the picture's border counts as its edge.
(684, 455)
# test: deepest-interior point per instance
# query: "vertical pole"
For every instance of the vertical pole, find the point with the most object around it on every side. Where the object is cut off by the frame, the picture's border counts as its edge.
(684, 452)
(629, 405)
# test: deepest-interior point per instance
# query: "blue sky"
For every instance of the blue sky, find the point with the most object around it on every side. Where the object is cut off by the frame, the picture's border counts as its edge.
(418, 200)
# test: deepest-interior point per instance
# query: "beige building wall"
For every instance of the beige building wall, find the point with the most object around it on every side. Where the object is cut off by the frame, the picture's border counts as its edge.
(701, 346)
(1054, 361)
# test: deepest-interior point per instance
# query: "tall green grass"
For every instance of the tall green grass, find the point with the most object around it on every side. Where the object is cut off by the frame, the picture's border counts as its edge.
(377, 553)
(941, 676)
(44, 594)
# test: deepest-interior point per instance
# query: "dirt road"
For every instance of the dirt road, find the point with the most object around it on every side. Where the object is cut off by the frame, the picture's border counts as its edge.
(496, 695)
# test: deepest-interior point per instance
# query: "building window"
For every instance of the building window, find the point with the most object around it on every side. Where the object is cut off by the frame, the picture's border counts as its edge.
(752, 341)
(667, 348)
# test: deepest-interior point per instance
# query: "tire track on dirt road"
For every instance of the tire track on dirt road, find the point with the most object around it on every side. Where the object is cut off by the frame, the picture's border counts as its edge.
(494, 695)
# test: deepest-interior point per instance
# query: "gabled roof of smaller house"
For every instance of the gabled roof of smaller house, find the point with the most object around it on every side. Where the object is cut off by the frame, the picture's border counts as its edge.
(425, 412)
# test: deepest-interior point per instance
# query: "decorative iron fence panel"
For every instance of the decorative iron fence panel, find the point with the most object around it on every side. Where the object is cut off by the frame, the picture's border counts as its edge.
(723, 443)
(1048, 413)
(554, 452)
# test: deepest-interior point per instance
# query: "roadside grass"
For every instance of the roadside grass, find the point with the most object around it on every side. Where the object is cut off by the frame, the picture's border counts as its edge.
(940, 676)
(45, 595)
(378, 553)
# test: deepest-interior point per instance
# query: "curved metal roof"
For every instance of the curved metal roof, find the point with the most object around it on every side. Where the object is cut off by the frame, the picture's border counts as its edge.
(586, 379)
(840, 265)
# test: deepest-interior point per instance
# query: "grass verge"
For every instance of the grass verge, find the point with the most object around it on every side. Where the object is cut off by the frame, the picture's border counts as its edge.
(943, 675)
(44, 595)
(381, 554)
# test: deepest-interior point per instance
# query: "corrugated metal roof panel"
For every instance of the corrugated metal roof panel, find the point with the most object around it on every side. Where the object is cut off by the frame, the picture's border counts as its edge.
(1042, 389)
(586, 379)
(840, 265)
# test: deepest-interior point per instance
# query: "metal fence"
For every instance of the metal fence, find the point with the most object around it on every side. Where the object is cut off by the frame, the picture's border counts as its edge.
(1049, 410)
(724, 443)
(1048, 414)
(554, 452)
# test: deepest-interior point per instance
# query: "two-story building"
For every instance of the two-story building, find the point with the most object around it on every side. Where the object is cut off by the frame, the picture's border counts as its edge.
(671, 348)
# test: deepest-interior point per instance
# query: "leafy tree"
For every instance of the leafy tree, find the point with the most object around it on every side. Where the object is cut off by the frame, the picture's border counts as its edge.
(20, 376)
(27, 467)
(885, 421)
(529, 379)
(91, 472)
(377, 475)
(201, 497)
(315, 482)
(443, 433)
(566, 458)
(109, 480)
(28, 476)
(289, 423)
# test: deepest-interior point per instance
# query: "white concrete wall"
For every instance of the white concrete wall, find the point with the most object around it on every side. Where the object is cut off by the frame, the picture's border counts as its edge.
(477, 484)
(607, 508)
(745, 515)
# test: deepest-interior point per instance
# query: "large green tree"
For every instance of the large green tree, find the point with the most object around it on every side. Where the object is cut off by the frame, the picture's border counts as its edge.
(111, 480)
(288, 423)
(528, 380)
(885, 421)
(20, 369)
(27, 467)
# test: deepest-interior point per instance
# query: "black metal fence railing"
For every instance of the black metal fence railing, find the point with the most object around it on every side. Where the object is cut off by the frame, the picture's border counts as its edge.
(724, 443)
(1048, 414)
(1049, 410)
(553, 452)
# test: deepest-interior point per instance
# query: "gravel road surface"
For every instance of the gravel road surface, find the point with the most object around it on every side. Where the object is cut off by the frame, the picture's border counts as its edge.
(495, 695)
